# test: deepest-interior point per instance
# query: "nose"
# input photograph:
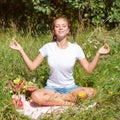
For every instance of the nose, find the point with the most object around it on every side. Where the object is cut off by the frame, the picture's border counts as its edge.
(60, 27)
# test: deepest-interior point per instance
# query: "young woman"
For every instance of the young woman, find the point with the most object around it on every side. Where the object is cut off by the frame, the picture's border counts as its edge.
(60, 88)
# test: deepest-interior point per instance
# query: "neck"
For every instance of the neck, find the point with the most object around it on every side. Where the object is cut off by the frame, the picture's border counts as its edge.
(62, 43)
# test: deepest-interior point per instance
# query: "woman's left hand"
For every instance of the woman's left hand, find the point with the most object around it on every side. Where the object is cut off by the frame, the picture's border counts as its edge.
(104, 49)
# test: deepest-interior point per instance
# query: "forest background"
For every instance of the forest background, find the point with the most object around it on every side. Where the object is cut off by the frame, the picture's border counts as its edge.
(38, 14)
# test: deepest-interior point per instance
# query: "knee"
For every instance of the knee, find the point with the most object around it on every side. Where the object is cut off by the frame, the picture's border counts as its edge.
(92, 92)
(36, 97)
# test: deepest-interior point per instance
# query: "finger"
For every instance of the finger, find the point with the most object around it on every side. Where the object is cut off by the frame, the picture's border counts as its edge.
(106, 46)
(15, 43)
(11, 44)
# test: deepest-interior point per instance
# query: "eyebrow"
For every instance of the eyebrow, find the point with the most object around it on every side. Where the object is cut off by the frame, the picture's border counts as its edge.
(59, 24)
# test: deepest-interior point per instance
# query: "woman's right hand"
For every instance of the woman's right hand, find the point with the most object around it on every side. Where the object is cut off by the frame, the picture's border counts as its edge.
(32, 65)
(15, 45)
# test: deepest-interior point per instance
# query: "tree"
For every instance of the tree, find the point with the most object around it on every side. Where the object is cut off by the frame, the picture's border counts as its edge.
(38, 14)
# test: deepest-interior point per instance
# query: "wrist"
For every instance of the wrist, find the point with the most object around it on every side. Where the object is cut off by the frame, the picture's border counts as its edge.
(98, 53)
(21, 51)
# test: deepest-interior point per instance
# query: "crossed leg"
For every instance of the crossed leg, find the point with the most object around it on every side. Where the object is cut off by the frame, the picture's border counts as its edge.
(48, 97)
(90, 92)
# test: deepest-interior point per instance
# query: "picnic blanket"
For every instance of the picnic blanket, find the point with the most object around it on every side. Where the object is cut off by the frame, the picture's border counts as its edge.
(34, 111)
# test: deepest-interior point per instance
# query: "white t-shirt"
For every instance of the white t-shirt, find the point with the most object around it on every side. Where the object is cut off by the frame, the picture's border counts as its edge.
(61, 63)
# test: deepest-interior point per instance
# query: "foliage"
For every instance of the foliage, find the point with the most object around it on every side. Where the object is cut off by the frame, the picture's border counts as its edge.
(115, 12)
(38, 14)
(42, 6)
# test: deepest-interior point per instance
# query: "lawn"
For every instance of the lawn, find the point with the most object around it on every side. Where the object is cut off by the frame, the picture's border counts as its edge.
(105, 79)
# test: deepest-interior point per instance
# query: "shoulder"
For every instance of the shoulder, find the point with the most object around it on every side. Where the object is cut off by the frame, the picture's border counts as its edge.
(47, 48)
(78, 51)
(75, 45)
(49, 44)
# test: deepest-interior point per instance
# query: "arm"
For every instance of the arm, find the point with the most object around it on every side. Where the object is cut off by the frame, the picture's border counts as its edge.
(90, 66)
(32, 65)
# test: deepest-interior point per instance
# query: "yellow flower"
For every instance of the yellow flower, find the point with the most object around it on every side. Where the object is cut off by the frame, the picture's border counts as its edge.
(24, 91)
(16, 81)
(82, 95)
(110, 92)
(25, 88)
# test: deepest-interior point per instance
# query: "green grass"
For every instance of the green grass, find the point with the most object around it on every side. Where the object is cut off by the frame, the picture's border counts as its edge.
(105, 78)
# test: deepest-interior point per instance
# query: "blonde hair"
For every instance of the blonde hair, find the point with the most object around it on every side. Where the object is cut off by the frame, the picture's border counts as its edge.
(53, 24)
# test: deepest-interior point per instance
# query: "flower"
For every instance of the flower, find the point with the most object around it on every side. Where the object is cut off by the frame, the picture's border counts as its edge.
(20, 86)
(17, 101)
(82, 95)
(110, 92)
(16, 81)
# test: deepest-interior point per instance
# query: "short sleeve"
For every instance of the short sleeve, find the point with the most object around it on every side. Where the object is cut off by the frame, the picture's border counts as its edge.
(43, 50)
(80, 53)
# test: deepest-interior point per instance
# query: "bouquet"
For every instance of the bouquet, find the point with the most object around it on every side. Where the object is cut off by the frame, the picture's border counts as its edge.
(18, 87)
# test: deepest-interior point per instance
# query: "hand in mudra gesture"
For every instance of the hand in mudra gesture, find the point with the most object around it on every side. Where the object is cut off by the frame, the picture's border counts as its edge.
(104, 49)
(15, 45)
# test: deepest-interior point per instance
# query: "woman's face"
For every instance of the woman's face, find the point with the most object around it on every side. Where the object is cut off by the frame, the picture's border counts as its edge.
(61, 28)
